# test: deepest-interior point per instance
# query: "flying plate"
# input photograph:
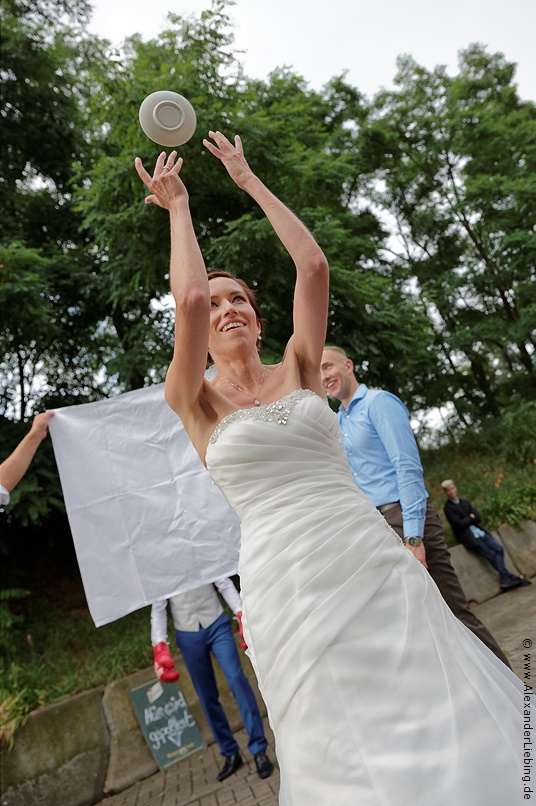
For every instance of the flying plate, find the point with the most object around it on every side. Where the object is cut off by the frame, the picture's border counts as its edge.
(167, 118)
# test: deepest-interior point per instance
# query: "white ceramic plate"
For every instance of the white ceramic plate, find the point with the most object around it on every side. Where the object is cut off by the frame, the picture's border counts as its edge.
(167, 118)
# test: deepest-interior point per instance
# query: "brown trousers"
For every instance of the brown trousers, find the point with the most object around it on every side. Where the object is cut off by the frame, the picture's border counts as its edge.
(443, 574)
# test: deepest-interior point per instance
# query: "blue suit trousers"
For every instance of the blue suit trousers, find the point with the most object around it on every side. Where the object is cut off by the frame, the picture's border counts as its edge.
(196, 649)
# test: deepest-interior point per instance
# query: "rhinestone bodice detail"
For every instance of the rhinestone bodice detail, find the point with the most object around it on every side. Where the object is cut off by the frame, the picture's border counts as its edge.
(277, 412)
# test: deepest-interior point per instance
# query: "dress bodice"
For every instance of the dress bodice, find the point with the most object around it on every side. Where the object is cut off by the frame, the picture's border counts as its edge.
(288, 451)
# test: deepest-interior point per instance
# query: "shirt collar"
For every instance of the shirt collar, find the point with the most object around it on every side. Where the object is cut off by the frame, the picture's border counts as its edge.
(359, 393)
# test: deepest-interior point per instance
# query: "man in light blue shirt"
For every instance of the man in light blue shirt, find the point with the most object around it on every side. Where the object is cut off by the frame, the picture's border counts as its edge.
(383, 455)
(385, 463)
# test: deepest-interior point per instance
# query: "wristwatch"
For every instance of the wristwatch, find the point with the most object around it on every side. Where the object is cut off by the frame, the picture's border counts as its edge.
(413, 541)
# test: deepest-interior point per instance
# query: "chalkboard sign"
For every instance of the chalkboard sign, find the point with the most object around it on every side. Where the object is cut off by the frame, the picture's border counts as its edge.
(166, 722)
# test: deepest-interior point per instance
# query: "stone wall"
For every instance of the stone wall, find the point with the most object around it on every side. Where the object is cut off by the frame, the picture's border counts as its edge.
(75, 752)
(479, 579)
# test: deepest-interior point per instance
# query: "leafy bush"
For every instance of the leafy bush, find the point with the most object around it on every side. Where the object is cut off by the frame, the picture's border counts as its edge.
(512, 506)
(7, 617)
(51, 653)
(493, 467)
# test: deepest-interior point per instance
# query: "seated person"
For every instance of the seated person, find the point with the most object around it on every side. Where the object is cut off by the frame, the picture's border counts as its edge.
(465, 522)
(202, 628)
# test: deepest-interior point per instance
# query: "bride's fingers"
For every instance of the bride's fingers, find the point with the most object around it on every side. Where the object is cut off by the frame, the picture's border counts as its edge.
(212, 148)
(175, 169)
(142, 173)
(159, 164)
(238, 144)
(171, 160)
(221, 140)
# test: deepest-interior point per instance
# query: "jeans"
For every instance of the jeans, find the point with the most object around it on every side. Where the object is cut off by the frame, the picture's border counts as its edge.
(493, 552)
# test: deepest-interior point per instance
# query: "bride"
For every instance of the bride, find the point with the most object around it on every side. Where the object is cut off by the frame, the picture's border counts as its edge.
(376, 693)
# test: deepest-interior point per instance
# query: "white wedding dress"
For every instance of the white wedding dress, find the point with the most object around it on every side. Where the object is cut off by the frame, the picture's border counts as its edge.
(376, 693)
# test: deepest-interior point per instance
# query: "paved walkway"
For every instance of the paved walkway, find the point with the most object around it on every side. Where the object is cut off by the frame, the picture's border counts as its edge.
(511, 617)
(193, 782)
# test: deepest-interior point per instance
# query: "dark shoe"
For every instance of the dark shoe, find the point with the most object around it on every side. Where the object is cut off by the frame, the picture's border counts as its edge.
(508, 585)
(514, 582)
(524, 582)
(232, 764)
(264, 766)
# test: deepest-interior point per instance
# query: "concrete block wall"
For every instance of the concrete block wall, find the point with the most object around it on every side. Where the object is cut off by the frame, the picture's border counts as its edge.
(60, 755)
(74, 752)
(479, 579)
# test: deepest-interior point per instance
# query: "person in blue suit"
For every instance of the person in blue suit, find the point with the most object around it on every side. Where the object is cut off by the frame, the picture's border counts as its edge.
(202, 630)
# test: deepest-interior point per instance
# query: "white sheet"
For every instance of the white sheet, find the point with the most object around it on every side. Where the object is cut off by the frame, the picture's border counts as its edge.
(147, 520)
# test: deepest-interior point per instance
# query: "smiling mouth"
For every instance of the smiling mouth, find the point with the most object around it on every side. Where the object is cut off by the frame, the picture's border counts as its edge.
(232, 326)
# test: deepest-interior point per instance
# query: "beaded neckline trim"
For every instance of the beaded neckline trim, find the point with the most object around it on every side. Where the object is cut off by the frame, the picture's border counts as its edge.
(277, 412)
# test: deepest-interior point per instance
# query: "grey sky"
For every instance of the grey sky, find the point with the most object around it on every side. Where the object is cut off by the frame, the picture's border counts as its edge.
(321, 38)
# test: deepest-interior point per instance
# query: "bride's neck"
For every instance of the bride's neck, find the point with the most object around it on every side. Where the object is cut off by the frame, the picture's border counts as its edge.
(242, 371)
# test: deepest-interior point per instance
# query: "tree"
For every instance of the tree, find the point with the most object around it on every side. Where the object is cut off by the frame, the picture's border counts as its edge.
(52, 327)
(452, 162)
(300, 142)
(54, 336)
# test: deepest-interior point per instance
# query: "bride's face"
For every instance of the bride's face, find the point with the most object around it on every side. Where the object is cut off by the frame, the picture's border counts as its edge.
(233, 321)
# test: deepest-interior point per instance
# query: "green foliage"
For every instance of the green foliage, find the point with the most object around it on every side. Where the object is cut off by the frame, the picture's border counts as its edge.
(445, 314)
(493, 467)
(511, 506)
(452, 161)
(54, 339)
(29, 505)
(49, 655)
(7, 617)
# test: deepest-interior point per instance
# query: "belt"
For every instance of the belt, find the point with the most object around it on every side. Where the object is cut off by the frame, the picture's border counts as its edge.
(388, 507)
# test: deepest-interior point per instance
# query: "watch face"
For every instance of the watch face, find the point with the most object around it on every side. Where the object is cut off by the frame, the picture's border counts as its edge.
(414, 541)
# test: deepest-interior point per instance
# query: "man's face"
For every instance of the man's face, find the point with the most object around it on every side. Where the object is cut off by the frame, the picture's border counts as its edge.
(337, 374)
(451, 492)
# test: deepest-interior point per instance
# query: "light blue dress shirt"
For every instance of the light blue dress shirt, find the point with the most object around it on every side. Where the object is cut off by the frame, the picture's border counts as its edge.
(383, 454)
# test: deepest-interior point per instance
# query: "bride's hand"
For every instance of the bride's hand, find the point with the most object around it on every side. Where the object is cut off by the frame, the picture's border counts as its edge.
(231, 155)
(165, 184)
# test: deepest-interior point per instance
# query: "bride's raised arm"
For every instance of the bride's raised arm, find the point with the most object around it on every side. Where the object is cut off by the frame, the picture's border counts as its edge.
(189, 286)
(312, 271)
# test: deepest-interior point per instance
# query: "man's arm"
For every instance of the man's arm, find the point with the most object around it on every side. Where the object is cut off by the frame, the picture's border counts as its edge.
(476, 514)
(229, 592)
(159, 622)
(390, 418)
(164, 665)
(457, 518)
(232, 597)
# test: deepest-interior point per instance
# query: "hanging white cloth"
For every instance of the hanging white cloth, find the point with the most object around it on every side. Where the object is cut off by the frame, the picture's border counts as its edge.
(146, 519)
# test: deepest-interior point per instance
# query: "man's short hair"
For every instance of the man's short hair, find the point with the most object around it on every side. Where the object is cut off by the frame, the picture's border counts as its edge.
(337, 350)
(447, 483)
